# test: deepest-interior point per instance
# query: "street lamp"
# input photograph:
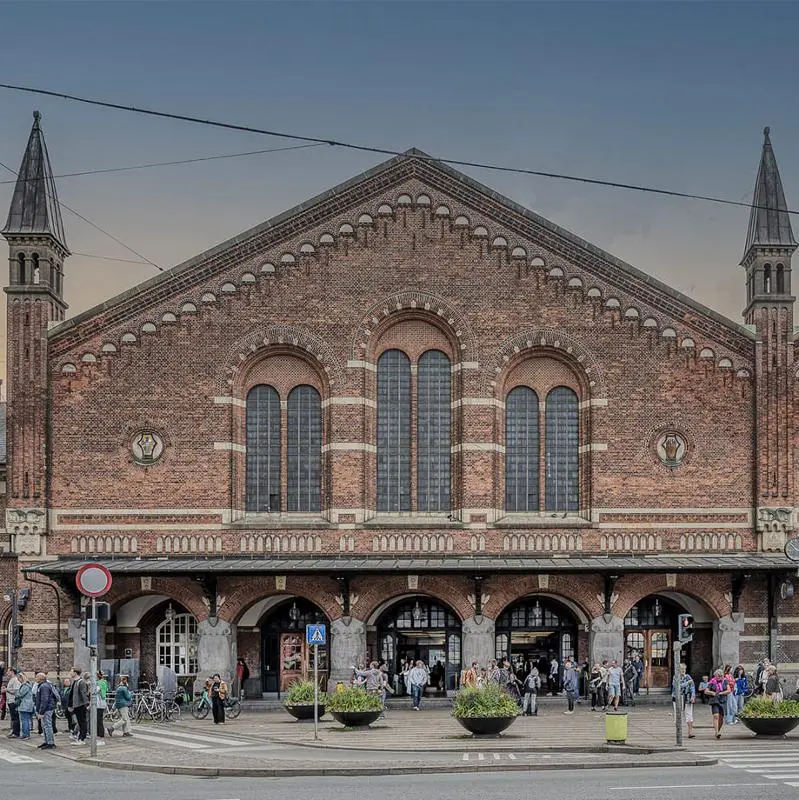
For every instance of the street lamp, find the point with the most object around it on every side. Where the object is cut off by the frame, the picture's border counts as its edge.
(417, 612)
(169, 614)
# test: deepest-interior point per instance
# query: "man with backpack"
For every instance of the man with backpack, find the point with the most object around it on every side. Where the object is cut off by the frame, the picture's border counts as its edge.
(532, 683)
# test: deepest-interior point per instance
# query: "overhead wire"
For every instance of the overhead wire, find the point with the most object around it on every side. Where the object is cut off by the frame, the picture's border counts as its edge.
(383, 150)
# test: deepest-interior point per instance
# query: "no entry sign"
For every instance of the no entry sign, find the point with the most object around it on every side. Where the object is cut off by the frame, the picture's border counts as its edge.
(93, 580)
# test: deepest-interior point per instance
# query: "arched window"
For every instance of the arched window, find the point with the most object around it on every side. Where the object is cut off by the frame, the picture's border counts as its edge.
(176, 642)
(522, 450)
(562, 450)
(433, 444)
(21, 262)
(393, 431)
(780, 279)
(304, 444)
(263, 449)
(36, 272)
(767, 279)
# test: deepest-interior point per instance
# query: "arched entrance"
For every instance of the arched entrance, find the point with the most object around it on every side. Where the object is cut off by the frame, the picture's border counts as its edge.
(533, 630)
(285, 657)
(649, 630)
(419, 628)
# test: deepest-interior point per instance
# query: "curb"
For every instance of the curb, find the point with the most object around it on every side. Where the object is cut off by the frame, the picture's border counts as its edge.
(289, 772)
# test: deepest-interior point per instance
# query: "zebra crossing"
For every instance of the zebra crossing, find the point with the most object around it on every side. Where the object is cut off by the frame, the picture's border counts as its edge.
(17, 758)
(488, 756)
(775, 762)
(172, 737)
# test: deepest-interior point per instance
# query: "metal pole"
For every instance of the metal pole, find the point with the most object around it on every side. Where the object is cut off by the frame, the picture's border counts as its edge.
(93, 702)
(677, 693)
(316, 691)
(12, 655)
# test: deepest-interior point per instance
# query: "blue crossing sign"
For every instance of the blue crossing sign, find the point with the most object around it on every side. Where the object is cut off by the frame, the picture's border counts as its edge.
(316, 634)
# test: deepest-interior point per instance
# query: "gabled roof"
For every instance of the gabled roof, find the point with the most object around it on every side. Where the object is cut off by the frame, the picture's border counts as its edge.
(769, 221)
(34, 205)
(356, 190)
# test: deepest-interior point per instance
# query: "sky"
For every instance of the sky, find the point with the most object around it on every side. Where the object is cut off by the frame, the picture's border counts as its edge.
(673, 95)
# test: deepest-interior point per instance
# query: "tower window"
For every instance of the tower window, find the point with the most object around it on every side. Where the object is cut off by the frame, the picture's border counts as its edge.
(36, 273)
(21, 263)
(767, 279)
(780, 279)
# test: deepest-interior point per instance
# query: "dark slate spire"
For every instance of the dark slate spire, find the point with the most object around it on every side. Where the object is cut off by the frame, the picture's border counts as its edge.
(34, 206)
(769, 221)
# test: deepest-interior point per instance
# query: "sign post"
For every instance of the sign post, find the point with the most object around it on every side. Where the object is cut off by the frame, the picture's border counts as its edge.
(678, 690)
(93, 580)
(316, 635)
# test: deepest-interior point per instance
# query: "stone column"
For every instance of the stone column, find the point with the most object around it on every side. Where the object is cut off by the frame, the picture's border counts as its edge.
(478, 642)
(607, 639)
(727, 639)
(347, 647)
(216, 649)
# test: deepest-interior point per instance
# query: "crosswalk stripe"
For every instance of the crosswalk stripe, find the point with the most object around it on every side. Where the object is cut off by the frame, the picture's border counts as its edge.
(195, 736)
(511, 756)
(795, 785)
(18, 758)
(782, 777)
(496, 756)
(177, 743)
(481, 757)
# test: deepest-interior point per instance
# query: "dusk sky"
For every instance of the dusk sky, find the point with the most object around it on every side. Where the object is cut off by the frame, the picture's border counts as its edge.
(672, 95)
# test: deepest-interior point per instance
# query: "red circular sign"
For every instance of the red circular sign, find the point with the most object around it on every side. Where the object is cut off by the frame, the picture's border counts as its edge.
(93, 580)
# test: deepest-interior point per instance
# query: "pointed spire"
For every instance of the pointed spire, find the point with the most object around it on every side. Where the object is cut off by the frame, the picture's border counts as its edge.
(34, 205)
(769, 221)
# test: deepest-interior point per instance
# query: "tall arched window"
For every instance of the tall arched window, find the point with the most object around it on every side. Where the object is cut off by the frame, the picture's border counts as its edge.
(780, 279)
(263, 449)
(522, 450)
(393, 431)
(562, 450)
(304, 444)
(21, 262)
(176, 640)
(433, 442)
(767, 279)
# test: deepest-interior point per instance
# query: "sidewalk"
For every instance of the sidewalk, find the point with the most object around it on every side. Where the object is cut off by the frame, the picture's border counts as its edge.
(405, 742)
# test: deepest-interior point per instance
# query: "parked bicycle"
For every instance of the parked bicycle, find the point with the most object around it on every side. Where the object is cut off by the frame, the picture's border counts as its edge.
(202, 706)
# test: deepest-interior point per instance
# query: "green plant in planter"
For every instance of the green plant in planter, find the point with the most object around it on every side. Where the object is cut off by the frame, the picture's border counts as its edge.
(301, 694)
(487, 701)
(763, 708)
(353, 700)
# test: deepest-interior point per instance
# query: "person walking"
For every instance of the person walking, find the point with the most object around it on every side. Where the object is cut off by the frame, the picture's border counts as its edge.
(772, 689)
(554, 670)
(122, 700)
(741, 689)
(218, 694)
(417, 678)
(78, 705)
(595, 682)
(531, 687)
(615, 684)
(717, 690)
(46, 699)
(242, 675)
(25, 706)
(687, 690)
(731, 707)
(102, 706)
(12, 687)
(571, 684)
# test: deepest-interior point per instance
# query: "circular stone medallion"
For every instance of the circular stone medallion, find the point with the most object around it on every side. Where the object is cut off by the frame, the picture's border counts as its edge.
(147, 447)
(671, 447)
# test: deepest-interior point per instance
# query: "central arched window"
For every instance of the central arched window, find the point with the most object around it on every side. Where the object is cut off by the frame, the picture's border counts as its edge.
(522, 450)
(304, 442)
(562, 450)
(176, 643)
(396, 403)
(263, 449)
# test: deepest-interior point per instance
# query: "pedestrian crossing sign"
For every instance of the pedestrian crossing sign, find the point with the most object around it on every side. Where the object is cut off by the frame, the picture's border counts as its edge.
(316, 634)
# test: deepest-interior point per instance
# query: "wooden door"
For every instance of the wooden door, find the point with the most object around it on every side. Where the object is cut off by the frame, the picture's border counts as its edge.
(293, 659)
(658, 657)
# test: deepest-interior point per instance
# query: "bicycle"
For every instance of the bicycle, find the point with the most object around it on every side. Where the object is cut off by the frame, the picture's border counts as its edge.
(200, 709)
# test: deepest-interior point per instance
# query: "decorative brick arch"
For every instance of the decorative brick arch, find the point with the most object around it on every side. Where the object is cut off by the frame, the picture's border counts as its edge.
(709, 590)
(508, 589)
(374, 592)
(424, 303)
(527, 343)
(293, 336)
(241, 594)
(181, 590)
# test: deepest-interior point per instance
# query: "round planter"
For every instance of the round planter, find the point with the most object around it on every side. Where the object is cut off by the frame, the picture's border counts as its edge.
(486, 726)
(305, 711)
(770, 726)
(356, 719)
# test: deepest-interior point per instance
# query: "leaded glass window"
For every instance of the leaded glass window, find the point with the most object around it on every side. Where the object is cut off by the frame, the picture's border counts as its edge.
(176, 642)
(393, 432)
(304, 445)
(433, 431)
(263, 449)
(562, 448)
(522, 450)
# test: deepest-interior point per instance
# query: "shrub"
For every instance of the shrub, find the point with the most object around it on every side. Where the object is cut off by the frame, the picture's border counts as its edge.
(352, 699)
(487, 701)
(301, 694)
(764, 708)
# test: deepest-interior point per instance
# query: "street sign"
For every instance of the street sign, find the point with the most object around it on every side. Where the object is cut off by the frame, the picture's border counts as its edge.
(316, 634)
(93, 580)
(792, 549)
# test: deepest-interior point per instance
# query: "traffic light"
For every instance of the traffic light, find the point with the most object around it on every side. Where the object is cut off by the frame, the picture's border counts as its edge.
(685, 628)
(17, 641)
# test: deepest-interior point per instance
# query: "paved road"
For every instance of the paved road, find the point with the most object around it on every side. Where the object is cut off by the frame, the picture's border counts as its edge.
(36, 781)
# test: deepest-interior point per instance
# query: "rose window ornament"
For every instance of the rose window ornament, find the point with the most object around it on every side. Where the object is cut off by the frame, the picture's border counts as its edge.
(147, 447)
(671, 448)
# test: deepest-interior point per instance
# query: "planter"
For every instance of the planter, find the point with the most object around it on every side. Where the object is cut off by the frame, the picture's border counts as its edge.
(770, 726)
(356, 719)
(486, 726)
(305, 711)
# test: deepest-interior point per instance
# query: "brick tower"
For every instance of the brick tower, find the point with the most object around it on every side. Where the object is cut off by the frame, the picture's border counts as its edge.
(37, 249)
(767, 261)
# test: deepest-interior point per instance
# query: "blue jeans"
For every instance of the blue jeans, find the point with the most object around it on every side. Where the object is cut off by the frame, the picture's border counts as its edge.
(47, 727)
(25, 718)
(731, 709)
(416, 695)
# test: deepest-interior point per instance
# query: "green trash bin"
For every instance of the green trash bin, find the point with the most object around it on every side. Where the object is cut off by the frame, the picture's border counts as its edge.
(616, 727)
